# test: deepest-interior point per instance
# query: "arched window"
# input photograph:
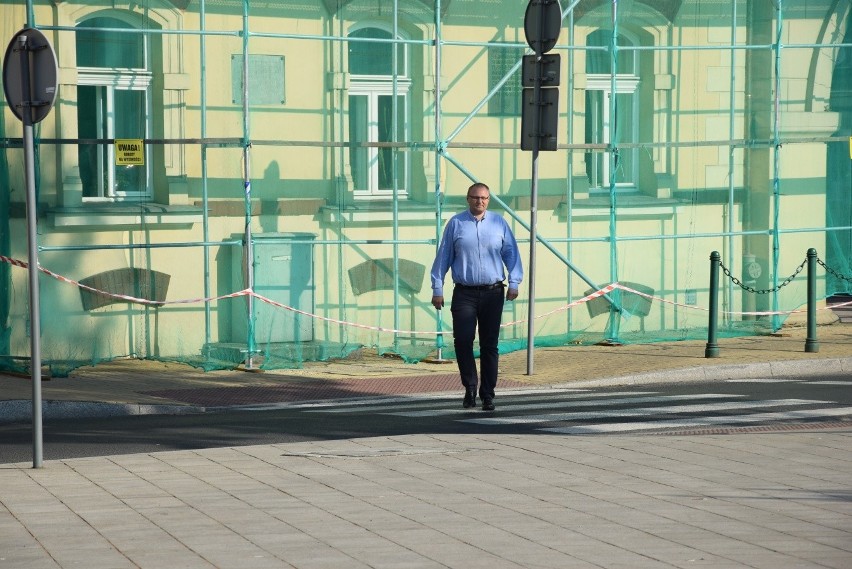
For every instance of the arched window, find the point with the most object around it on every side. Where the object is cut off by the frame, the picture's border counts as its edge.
(113, 102)
(603, 107)
(371, 113)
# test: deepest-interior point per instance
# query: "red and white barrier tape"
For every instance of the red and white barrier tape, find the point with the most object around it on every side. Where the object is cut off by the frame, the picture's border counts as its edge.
(14, 262)
(598, 293)
(342, 322)
(248, 292)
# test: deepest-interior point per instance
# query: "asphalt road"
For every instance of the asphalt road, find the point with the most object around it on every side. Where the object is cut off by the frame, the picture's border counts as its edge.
(689, 407)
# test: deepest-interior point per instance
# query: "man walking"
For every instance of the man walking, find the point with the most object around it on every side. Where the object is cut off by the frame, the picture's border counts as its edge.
(476, 246)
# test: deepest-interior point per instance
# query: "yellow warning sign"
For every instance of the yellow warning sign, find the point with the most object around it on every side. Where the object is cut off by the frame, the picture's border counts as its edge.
(129, 152)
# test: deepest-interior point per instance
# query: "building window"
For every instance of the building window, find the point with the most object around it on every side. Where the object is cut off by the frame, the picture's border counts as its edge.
(506, 102)
(611, 117)
(113, 102)
(371, 114)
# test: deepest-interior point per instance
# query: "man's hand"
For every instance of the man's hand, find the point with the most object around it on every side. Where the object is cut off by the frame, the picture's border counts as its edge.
(438, 302)
(511, 294)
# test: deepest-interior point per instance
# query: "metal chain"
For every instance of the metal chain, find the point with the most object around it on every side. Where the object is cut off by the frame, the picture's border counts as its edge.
(832, 271)
(743, 286)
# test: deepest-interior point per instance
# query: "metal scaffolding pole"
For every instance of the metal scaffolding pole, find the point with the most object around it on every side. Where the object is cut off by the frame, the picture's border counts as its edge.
(248, 251)
(439, 199)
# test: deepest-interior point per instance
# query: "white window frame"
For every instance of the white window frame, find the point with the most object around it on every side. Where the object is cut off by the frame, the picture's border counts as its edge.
(372, 87)
(109, 81)
(624, 84)
(367, 86)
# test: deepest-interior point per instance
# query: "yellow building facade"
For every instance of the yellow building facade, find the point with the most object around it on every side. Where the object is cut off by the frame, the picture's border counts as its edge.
(300, 157)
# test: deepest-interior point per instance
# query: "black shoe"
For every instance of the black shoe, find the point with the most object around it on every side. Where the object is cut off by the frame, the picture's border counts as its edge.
(487, 405)
(469, 400)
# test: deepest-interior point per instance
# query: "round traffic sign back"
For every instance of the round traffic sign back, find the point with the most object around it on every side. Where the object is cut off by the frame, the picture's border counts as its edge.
(542, 24)
(30, 75)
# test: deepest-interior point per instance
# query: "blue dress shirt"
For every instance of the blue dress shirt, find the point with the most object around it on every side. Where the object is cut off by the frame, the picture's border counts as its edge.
(477, 251)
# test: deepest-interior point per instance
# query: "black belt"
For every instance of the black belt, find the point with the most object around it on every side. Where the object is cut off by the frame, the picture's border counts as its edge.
(479, 287)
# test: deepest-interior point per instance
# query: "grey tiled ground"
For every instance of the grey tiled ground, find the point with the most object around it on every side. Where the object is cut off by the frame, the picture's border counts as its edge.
(770, 500)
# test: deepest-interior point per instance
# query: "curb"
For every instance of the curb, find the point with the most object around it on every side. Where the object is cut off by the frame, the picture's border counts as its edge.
(772, 370)
(19, 410)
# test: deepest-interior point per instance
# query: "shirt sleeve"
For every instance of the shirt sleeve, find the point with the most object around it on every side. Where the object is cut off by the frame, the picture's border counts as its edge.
(443, 261)
(512, 258)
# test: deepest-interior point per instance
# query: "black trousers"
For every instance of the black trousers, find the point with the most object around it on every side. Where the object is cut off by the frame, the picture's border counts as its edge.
(472, 308)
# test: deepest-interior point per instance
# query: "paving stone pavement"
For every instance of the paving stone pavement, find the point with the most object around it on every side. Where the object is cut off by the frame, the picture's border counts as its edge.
(771, 500)
(745, 500)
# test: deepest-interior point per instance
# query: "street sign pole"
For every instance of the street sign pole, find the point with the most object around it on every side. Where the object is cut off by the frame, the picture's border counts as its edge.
(542, 23)
(32, 254)
(30, 54)
(534, 214)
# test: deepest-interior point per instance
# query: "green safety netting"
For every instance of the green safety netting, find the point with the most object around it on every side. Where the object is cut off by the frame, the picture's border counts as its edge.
(262, 184)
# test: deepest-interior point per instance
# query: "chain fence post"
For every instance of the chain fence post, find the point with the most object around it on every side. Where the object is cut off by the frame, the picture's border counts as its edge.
(712, 348)
(811, 344)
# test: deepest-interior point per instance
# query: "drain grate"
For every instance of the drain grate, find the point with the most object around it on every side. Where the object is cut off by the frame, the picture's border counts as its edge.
(776, 428)
(381, 452)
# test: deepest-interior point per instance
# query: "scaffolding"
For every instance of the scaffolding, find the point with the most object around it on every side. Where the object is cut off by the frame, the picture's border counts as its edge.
(300, 160)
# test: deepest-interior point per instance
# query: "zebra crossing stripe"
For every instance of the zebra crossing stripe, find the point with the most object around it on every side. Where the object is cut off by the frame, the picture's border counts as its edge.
(417, 401)
(640, 412)
(572, 402)
(781, 380)
(700, 421)
(379, 402)
(761, 380)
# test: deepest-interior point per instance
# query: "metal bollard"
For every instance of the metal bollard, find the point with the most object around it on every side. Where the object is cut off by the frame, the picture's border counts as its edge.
(811, 344)
(712, 349)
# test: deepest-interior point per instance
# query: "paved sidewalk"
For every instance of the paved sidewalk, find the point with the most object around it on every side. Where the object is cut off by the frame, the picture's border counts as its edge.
(777, 499)
(770, 501)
